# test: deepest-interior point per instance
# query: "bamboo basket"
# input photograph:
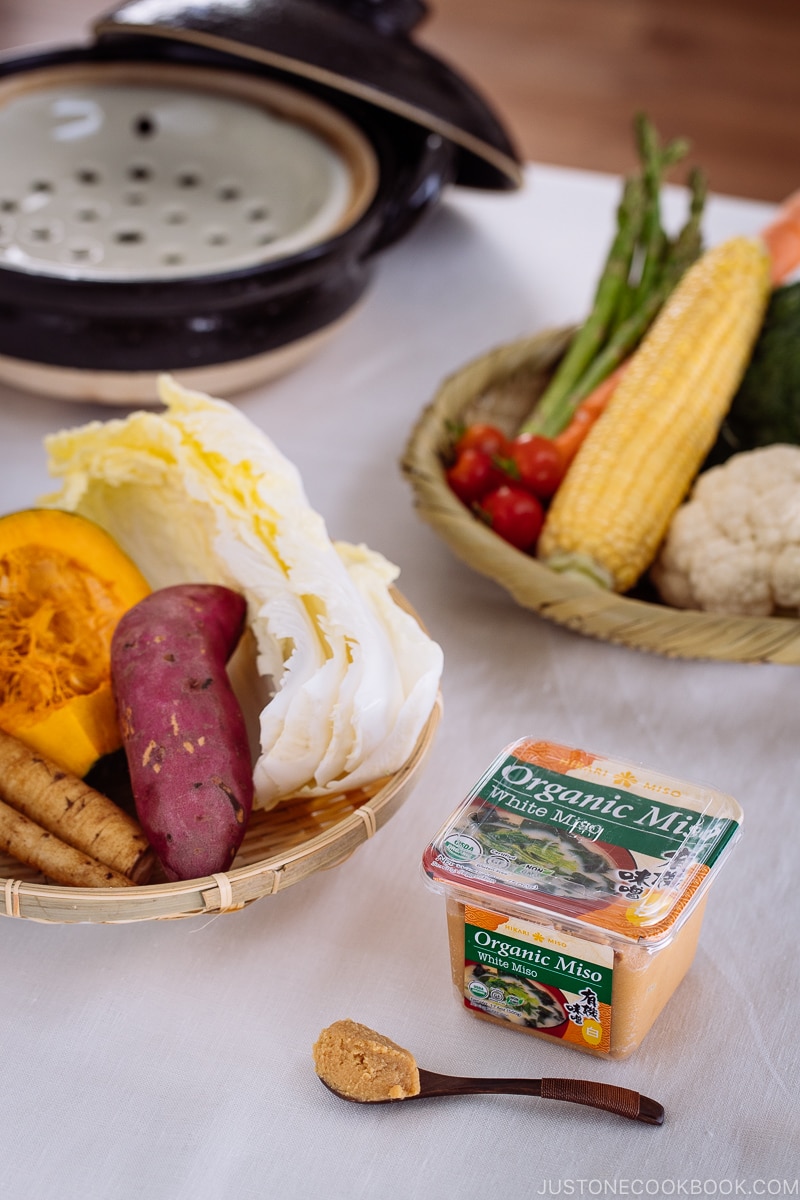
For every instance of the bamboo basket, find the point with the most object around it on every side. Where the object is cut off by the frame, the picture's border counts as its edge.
(501, 387)
(283, 846)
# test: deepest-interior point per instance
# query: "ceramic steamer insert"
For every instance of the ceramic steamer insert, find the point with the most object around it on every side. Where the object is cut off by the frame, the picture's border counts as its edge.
(113, 176)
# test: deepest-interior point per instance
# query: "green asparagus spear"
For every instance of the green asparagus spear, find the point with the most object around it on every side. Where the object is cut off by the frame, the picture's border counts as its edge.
(656, 161)
(680, 255)
(642, 268)
(547, 417)
(689, 242)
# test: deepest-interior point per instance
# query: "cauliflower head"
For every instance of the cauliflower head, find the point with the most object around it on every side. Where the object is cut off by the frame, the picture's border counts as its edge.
(734, 546)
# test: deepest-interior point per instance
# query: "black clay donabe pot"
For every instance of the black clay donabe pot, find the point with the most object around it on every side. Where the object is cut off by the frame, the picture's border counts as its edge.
(204, 189)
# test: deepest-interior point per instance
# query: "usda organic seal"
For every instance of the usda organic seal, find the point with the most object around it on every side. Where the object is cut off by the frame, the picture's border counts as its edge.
(461, 848)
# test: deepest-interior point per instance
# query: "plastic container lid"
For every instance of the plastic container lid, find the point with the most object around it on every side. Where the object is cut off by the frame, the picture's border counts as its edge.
(603, 843)
(361, 48)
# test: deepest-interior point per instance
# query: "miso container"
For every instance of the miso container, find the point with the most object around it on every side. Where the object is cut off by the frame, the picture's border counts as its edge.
(575, 886)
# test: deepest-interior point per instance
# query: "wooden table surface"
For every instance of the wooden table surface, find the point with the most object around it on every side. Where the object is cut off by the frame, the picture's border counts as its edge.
(567, 75)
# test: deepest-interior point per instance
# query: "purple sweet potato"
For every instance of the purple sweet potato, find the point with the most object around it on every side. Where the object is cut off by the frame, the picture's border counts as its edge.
(182, 727)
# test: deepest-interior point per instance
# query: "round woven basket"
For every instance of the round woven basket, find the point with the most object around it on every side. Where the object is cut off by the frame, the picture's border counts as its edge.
(501, 387)
(283, 846)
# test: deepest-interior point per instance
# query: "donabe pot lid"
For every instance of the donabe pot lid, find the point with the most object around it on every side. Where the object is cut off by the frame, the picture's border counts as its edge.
(360, 47)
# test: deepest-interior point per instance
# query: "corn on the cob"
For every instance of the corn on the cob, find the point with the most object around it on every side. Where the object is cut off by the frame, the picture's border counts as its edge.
(638, 462)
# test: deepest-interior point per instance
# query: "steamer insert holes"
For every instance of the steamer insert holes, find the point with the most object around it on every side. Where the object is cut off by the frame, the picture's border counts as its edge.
(81, 251)
(144, 126)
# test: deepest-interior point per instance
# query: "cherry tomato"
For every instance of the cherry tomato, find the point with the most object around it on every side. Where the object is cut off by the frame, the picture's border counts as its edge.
(472, 475)
(480, 436)
(537, 464)
(514, 514)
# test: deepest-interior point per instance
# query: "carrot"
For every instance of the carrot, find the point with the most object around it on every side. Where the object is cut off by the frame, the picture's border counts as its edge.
(570, 439)
(31, 844)
(782, 237)
(74, 813)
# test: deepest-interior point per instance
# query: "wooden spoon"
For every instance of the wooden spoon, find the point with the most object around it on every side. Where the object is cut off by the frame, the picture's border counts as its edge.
(619, 1100)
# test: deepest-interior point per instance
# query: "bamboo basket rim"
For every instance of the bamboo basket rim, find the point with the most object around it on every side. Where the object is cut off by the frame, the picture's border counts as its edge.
(483, 387)
(368, 810)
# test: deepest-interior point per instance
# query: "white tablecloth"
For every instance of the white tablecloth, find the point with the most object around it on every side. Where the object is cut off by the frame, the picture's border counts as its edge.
(172, 1060)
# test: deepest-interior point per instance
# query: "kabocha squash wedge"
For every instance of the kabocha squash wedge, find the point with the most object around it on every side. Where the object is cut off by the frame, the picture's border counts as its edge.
(64, 584)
